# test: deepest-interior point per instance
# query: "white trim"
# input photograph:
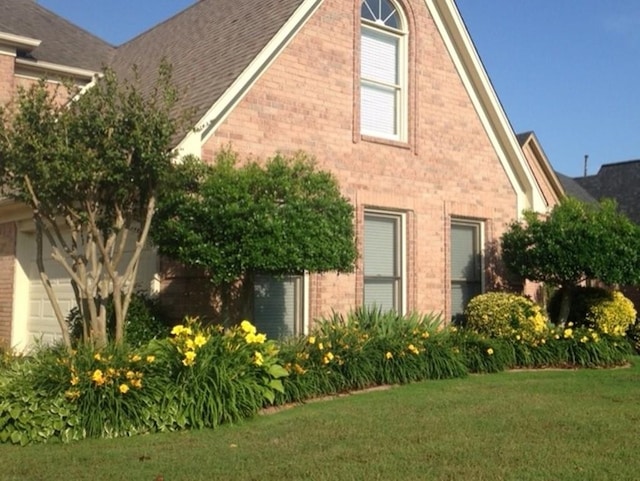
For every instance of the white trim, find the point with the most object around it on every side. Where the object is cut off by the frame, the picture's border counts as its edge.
(401, 216)
(476, 81)
(402, 87)
(40, 66)
(480, 225)
(21, 297)
(306, 328)
(19, 41)
(192, 143)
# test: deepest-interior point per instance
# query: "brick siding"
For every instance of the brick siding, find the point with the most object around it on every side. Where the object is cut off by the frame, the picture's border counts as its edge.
(7, 269)
(308, 100)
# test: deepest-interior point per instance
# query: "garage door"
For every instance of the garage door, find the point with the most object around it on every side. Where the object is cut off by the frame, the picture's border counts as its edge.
(41, 319)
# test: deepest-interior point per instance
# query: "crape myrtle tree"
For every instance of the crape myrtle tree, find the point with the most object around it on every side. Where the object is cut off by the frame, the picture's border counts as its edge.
(89, 164)
(574, 243)
(235, 220)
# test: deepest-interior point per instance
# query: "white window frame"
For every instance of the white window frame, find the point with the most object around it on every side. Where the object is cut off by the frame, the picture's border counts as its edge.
(479, 226)
(401, 89)
(400, 218)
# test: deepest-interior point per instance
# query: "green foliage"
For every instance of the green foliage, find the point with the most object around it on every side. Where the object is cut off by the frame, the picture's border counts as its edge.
(612, 316)
(581, 299)
(215, 375)
(633, 336)
(283, 217)
(145, 320)
(94, 159)
(608, 312)
(575, 242)
(500, 314)
(30, 412)
(206, 376)
(368, 348)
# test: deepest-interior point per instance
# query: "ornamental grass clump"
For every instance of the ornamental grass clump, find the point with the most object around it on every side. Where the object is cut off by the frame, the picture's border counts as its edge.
(503, 315)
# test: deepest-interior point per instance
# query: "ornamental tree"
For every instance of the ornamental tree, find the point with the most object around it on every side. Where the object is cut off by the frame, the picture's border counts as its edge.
(574, 243)
(280, 217)
(89, 165)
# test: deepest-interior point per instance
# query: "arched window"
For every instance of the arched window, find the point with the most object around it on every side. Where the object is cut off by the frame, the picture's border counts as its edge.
(383, 70)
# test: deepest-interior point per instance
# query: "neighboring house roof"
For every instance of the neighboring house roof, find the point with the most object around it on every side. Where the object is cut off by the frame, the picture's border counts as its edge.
(208, 46)
(63, 43)
(618, 181)
(574, 189)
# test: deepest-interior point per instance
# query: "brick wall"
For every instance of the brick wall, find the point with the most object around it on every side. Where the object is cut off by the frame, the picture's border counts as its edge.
(7, 87)
(7, 267)
(308, 100)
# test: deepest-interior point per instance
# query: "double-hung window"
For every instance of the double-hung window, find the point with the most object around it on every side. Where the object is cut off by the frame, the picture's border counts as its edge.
(383, 261)
(466, 265)
(383, 70)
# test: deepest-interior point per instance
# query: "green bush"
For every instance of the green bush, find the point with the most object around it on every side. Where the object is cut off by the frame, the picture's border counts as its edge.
(145, 320)
(608, 312)
(612, 316)
(633, 336)
(581, 299)
(501, 314)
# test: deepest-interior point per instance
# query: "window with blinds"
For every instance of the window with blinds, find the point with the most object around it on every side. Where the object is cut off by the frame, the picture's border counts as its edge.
(277, 305)
(466, 265)
(382, 70)
(383, 261)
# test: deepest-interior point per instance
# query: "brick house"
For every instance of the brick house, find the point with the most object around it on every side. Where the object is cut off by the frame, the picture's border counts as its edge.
(388, 95)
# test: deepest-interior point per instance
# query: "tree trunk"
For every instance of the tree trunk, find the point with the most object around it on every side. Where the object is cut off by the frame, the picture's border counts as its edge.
(565, 305)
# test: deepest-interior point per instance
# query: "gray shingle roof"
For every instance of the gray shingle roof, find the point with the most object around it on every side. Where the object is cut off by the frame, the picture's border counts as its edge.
(574, 189)
(62, 42)
(208, 46)
(619, 181)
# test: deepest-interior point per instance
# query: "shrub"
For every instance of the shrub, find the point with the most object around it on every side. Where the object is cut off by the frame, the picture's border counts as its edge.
(633, 335)
(608, 312)
(612, 316)
(31, 413)
(581, 299)
(145, 320)
(500, 314)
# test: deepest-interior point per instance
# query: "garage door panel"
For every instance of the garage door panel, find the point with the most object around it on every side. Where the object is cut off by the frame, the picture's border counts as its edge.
(41, 322)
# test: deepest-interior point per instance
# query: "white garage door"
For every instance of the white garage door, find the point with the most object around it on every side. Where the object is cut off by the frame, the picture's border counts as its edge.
(41, 320)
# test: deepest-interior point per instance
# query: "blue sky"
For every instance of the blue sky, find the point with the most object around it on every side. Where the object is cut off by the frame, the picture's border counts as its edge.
(567, 69)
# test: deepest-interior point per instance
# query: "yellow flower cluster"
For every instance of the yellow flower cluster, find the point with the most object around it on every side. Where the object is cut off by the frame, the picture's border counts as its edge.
(251, 333)
(613, 316)
(125, 379)
(327, 358)
(188, 339)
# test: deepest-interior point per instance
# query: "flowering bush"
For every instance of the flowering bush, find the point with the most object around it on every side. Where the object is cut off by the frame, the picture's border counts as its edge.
(613, 315)
(500, 314)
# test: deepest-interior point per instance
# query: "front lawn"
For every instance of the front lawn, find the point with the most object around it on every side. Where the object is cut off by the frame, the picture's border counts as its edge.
(526, 425)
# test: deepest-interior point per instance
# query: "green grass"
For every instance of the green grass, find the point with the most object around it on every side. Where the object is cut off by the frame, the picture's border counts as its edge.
(535, 425)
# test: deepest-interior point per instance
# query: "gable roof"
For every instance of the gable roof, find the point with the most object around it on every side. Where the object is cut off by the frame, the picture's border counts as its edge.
(618, 181)
(553, 185)
(63, 43)
(218, 49)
